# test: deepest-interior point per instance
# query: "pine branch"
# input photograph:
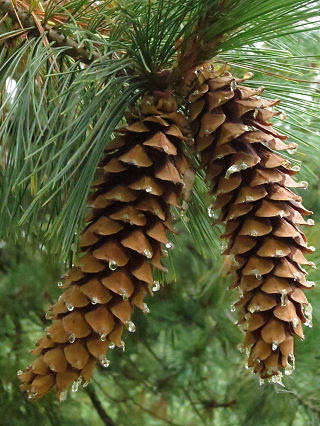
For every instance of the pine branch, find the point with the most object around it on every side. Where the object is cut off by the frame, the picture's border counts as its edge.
(100, 410)
(128, 398)
(305, 403)
(184, 390)
(234, 25)
(168, 422)
(26, 19)
(211, 404)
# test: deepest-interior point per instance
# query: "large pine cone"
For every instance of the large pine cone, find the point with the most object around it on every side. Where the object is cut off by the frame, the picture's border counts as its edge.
(141, 176)
(237, 146)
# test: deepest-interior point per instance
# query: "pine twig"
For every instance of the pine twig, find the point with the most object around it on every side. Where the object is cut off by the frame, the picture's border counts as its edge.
(129, 398)
(307, 404)
(195, 409)
(169, 422)
(26, 20)
(98, 406)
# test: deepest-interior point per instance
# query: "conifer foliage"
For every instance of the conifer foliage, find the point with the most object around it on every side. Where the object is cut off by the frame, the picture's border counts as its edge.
(141, 176)
(252, 184)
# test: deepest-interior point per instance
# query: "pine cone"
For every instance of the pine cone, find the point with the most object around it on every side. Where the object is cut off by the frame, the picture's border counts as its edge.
(142, 176)
(262, 215)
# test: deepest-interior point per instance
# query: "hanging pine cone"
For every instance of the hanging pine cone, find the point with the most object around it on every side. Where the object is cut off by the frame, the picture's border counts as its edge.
(251, 182)
(142, 176)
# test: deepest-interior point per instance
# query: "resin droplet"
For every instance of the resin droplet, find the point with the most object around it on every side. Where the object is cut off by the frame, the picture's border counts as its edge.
(112, 345)
(279, 253)
(248, 75)
(149, 189)
(147, 254)
(156, 286)
(307, 311)
(254, 233)
(169, 245)
(283, 116)
(288, 370)
(146, 310)
(210, 211)
(295, 322)
(102, 337)
(282, 213)
(94, 301)
(60, 284)
(85, 384)
(232, 308)
(292, 150)
(283, 297)
(257, 274)
(275, 345)
(224, 245)
(295, 168)
(104, 361)
(49, 316)
(235, 168)
(123, 346)
(63, 396)
(303, 184)
(297, 276)
(253, 308)
(261, 381)
(113, 265)
(286, 164)
(19, 372)
(240, 348)
(277, 379)
(124, 294)
(69, 307)
(310, 222)
(72, 338)
(130, 326)
(75, 386)
(32, 395)
(292, 358)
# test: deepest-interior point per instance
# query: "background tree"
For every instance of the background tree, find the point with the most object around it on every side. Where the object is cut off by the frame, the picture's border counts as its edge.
(70, 111)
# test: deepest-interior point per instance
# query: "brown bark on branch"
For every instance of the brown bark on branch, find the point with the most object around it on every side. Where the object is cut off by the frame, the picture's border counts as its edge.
(98, 406)
(26, 20)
